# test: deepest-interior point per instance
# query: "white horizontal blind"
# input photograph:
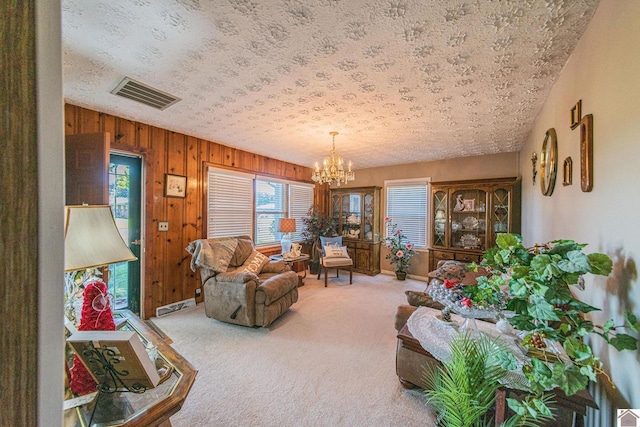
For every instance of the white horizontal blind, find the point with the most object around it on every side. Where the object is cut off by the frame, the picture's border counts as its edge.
(300, 201)
(407, 206)
(230, 203)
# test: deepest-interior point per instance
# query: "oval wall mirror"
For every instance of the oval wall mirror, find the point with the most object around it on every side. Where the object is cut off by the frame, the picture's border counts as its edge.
(549, 162)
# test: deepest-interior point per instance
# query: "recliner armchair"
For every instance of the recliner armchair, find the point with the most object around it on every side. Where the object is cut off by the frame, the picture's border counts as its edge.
(250, 289)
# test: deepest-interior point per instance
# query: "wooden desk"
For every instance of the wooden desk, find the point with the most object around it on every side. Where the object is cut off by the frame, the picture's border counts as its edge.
(565, 405)
(151, 408)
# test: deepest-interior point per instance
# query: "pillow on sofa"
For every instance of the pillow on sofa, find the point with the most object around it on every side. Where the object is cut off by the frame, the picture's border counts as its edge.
(254, 262)
(243, 250)
(418, 299)
(451, 270)
(331, 251)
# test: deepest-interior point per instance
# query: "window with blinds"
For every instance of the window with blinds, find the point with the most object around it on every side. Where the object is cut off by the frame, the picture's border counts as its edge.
(241, 203)
(300, 201)
(406, 205)
(230, 203)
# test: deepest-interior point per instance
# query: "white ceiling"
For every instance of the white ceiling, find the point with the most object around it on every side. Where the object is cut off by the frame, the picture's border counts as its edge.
(403, 81)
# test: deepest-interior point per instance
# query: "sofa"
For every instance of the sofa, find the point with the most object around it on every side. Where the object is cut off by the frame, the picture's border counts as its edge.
(241, 285)
(411, 364)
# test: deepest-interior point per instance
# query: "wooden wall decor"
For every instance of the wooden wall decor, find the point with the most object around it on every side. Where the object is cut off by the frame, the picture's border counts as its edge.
(567, 172)
(586, 153)
(576, 114)
(167, 276)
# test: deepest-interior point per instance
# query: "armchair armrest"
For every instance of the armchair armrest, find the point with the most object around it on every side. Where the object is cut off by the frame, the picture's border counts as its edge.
(276, 267)
(236, 277)
(275, 287)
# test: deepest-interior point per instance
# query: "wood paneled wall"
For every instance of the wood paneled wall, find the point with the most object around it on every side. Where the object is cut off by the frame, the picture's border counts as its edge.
(168, 277)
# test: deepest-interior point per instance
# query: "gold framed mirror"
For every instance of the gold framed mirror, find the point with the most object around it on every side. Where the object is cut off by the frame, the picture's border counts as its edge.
(549, 162)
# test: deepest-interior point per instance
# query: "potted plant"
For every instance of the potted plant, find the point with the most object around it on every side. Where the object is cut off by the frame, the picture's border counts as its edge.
(548, 313)
(315, 225)
(400, 251)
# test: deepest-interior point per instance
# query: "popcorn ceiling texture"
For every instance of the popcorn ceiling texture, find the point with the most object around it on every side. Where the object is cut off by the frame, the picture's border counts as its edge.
(403, 81)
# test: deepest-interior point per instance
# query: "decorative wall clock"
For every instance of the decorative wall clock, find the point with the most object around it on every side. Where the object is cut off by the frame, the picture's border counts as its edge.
(586, 153)
(549, 162)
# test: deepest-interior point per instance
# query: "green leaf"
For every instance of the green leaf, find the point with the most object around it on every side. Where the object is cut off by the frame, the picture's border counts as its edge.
(506, 240)
(561, 247)
(542, 407)
(576, 349)
(518, 305)
(583, 307)
(520, 272)
(632, 321)
(558, 295)
(572, 380)
(575, 262)
(544, 266)
(600, 264)
(522, 322)
(589, 372)
(541, 309)
(607, 326)
(518, 288)
(516, 406)
(624, 342)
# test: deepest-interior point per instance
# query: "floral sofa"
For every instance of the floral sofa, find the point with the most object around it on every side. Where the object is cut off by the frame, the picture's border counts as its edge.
(241, 285)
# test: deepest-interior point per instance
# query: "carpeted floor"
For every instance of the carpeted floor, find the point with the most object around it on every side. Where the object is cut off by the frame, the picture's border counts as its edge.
(328, 361)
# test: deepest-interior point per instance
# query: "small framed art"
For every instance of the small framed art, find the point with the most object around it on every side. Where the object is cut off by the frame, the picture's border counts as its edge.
(175, 185)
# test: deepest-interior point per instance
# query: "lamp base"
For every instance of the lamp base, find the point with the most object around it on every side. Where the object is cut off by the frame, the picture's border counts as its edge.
(285, 243)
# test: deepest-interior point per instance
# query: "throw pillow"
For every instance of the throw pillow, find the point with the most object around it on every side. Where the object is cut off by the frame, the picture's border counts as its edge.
(243, 250)
(451, 270)
(418, 299)
(331, 251)
(254, 263)
(330, 241)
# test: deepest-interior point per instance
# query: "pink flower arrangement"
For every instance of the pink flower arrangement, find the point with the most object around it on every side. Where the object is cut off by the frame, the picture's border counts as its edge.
(400, 251)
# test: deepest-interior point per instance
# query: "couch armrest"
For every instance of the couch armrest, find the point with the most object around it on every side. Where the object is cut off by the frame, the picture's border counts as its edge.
(275, 287)
(236, 277)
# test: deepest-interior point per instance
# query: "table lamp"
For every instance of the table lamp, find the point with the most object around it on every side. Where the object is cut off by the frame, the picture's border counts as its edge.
(286, 226)
(91, 239)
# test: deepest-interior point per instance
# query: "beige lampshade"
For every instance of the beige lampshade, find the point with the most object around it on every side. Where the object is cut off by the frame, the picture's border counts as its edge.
(91, 238)
(287, 225)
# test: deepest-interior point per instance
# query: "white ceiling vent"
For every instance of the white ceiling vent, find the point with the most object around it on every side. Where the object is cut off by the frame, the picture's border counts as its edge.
(147, 95)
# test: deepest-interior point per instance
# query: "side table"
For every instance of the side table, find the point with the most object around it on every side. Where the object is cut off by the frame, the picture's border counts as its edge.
(303, 258)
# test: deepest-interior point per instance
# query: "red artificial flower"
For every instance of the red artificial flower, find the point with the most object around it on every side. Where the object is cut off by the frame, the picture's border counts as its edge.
(450, 283)
(409, 246)
(466, 302)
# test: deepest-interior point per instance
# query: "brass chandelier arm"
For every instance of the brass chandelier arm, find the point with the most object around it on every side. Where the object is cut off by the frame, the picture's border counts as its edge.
(333, 168)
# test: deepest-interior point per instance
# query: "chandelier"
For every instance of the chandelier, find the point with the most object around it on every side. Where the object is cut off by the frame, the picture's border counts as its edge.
(333, 168)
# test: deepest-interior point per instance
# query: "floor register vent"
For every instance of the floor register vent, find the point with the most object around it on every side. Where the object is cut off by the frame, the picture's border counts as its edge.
(144, 94)
(176, 306)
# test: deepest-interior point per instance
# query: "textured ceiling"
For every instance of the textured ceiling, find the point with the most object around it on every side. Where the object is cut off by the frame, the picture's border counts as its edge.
(403, 81)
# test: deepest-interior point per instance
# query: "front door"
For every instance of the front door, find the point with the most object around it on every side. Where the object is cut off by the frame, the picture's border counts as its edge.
(125, 195)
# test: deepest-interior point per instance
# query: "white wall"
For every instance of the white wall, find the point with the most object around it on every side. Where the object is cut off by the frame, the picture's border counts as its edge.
(604, 72)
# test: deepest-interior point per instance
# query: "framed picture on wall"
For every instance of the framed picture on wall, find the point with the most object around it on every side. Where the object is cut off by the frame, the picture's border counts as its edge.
(175, 185)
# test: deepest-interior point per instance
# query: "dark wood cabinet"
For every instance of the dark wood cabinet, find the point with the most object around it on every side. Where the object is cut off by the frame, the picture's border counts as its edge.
(466, 217)
(357, 211)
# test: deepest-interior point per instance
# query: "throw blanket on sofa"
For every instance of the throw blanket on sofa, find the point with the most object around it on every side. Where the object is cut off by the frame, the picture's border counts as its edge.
(212, 254)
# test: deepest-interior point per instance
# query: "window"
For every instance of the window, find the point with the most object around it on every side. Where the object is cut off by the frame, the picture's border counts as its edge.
(406, 205)
(230, 203)
(242, 203)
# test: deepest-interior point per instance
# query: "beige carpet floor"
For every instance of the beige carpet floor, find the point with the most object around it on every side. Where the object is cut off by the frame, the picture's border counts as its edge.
(328, 361)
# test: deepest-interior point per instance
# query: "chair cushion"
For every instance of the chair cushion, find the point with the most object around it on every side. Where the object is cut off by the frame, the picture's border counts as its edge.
(326, 241)
(337, 262)
(254, 263)
(331, 251)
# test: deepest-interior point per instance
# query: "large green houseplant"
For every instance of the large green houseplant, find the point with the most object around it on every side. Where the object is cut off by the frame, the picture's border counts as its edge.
(316, 224)
(539, 280)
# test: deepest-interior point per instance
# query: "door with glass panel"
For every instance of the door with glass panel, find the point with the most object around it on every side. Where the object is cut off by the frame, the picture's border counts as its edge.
(125, 192)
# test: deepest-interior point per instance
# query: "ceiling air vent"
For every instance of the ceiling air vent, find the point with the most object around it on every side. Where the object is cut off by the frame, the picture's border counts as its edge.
(147, 95)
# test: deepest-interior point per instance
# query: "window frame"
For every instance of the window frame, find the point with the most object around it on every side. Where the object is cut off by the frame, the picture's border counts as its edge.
(403, 225)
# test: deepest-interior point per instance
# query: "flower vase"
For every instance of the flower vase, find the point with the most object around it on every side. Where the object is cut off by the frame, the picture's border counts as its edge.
(401, 275)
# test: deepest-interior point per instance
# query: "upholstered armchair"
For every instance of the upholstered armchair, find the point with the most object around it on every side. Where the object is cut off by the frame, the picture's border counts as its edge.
(241, 285)
(334, 255)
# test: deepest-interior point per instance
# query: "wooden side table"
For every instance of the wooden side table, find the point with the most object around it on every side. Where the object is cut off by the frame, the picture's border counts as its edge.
(303, 258)
(151, 408)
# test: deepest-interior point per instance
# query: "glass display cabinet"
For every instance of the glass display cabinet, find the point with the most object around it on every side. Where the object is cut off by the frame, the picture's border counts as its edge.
(356, 211)
(466, 216)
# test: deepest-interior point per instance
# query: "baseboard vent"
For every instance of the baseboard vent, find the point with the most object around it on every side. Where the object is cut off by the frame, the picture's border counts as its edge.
(145, 94)
(176, 306)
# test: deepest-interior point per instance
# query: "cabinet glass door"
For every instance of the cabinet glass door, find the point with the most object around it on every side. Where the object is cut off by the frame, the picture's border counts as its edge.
(351, 215)
(500, 211)
(439, 218)
(368, 216)
(468, 227)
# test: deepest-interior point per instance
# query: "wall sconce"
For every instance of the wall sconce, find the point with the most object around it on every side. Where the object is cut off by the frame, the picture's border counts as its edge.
(534, 163)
